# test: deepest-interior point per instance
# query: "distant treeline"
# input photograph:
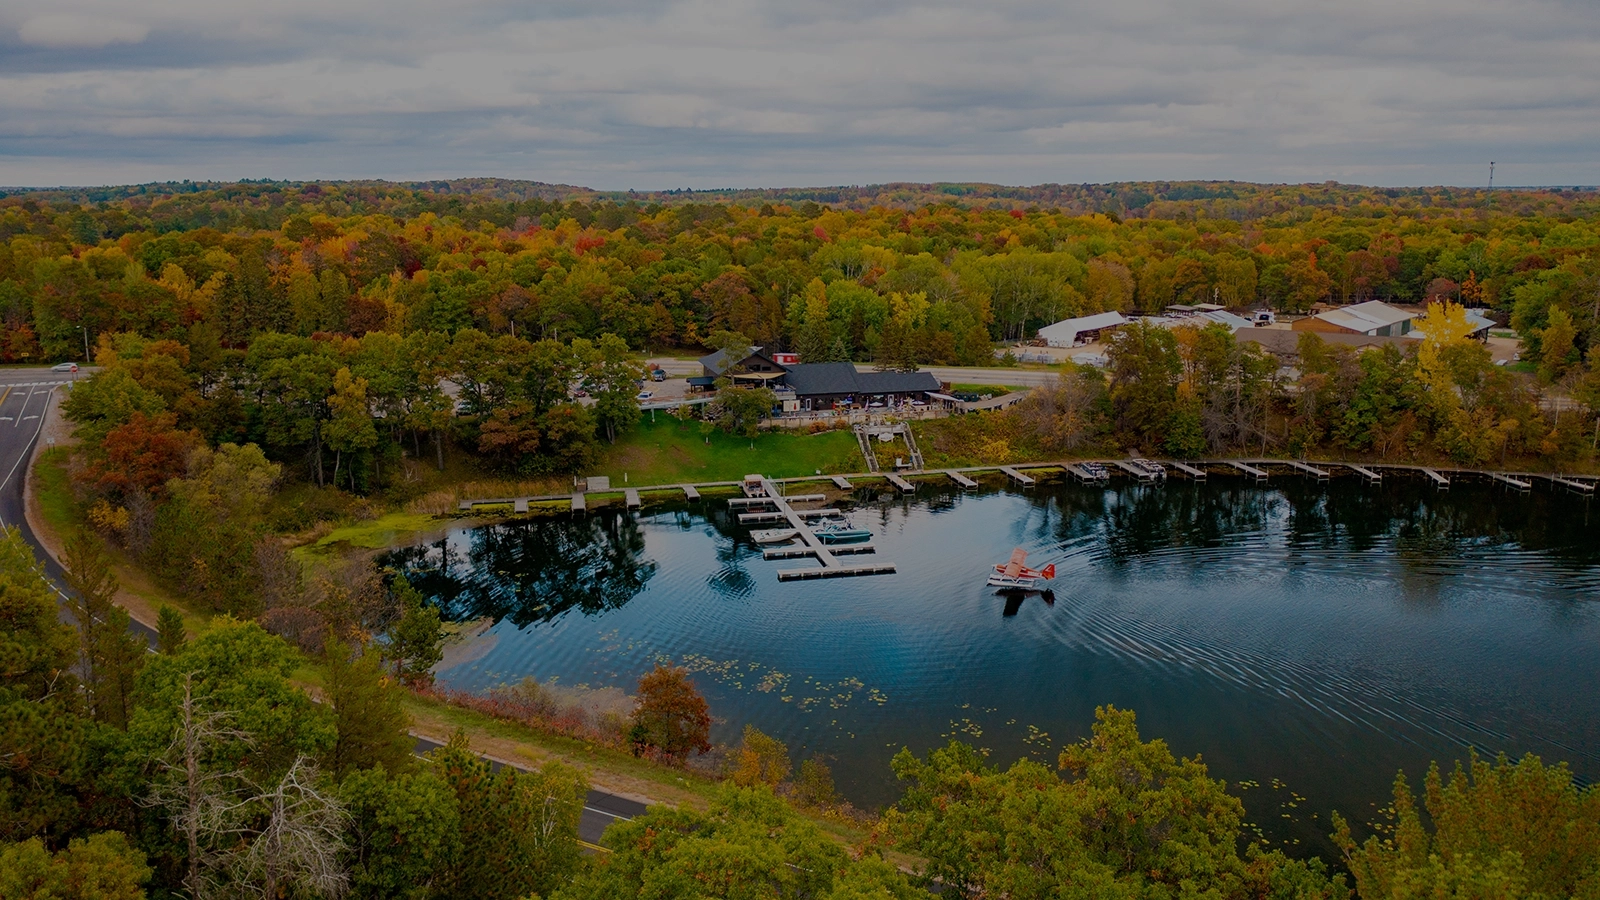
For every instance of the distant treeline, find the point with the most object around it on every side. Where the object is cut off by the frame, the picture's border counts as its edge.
(933, 279)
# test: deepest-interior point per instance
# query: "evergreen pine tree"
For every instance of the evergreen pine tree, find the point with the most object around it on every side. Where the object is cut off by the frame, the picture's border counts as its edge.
(366, 707)
(170, 634)
(416, 641)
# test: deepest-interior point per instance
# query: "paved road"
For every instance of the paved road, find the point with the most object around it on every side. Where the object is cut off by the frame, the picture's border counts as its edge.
(599, 808)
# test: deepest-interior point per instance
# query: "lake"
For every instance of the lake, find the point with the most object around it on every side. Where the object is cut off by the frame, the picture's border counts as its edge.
(1307, 640)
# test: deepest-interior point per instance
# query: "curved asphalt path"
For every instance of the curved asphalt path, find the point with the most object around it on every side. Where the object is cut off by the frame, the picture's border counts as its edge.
(25, 396)
(24, 402)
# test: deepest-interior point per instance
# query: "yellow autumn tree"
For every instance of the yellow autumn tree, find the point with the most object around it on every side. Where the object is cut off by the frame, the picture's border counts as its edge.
(1444, 326)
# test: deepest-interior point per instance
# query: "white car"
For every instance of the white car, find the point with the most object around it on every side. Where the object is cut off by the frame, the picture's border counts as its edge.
(65, 367)
(645, 395)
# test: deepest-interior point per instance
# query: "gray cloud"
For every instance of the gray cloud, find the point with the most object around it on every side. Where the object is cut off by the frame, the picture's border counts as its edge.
(706, 93)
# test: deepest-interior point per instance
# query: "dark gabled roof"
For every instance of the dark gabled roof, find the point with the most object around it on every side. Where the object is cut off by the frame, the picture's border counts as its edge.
(718, 362)
(842, 378)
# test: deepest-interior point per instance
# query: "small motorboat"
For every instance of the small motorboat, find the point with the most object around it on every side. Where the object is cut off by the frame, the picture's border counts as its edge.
(1015, 576)
(1097, 471)
(773, 535)
(841, 533)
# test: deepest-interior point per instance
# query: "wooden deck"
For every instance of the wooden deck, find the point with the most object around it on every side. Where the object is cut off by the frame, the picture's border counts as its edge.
(1511, 482)
(1313, 471)
(899, 482)
(631, 497)
(843, 483)
(1136, 471)
(578, 502)
(1018, 477)
(960, 479)
(1438, 480)
(1364, 472)
(691, 492)
(1582, 487)
(1248, 469)
(1191, 471)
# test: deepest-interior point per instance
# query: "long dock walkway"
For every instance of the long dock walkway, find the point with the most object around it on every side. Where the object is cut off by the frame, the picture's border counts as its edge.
(831, 567)
(1191, 471)
(1438, 480)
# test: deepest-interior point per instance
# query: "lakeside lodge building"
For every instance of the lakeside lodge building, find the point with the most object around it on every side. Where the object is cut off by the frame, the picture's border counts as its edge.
(814, 387)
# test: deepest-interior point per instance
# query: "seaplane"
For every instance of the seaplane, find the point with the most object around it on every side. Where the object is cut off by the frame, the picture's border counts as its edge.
(1015, 576)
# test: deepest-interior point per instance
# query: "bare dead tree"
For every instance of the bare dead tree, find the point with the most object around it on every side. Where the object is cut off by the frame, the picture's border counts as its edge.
(203, 803)
(300, 845)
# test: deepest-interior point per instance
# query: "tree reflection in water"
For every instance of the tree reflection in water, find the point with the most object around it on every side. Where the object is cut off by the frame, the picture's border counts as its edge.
(533, 570)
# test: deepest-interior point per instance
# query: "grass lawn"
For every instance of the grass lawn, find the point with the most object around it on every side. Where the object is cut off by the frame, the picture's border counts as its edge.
(665, 452)
(995, 390)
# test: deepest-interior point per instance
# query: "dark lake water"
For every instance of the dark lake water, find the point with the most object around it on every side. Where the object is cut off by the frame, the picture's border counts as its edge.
(1307, 640)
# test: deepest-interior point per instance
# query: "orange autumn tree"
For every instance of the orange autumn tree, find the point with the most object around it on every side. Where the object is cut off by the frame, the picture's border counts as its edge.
(672, 719)
(142, 454)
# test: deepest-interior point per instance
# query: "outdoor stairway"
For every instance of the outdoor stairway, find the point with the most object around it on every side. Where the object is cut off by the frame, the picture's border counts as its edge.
(865, 441)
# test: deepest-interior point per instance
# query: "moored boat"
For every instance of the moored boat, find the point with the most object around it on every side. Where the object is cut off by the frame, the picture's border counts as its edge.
(841, 533)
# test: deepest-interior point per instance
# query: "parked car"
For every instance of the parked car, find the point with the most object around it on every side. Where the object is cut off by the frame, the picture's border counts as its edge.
(64, 367)
(645, 395)
(658, 375)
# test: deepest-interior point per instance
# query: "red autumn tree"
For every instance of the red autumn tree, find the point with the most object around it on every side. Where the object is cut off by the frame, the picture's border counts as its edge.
(143, 453)
(672, 718)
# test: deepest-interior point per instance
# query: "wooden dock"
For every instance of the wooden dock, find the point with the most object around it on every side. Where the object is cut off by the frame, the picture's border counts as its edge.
(1249, 470)
(769, 516)
(691, 492)
(631, 497)
(830, 566)
(1313, 471)
(835, 549)
(960, 479)
(1364, 472)
(807, 498)
(519, 505)
(899, 482)
(746, 502)
(1191, 471)
(1438, 480)
(843, 483)
(1018, 477)
(1086, 476)
(1511, 482)
(1139, 472)
(578, 502)
(835, 571)
(1582, 487)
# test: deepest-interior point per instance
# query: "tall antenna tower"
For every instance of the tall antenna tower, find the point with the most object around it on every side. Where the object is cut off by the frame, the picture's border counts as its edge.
(1491, 176)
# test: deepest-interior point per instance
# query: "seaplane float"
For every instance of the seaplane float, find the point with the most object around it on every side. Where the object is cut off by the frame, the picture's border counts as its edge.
(1014, 576)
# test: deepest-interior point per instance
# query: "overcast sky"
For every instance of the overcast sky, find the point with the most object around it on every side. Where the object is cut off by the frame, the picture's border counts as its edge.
(617, 94)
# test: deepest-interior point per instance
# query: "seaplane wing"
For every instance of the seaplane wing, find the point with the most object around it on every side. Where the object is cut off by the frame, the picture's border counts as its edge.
(1015, 570)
